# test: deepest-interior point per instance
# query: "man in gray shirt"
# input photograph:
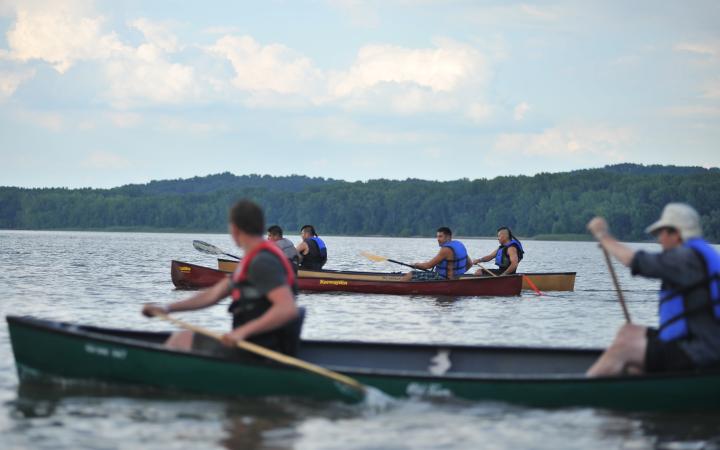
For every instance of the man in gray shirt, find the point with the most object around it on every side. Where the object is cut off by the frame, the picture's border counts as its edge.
(689, 333)
(275, 234)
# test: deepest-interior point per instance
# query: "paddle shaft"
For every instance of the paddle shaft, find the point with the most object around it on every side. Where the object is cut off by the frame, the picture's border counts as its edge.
(617, 285)
(525, 277)
(271, 354)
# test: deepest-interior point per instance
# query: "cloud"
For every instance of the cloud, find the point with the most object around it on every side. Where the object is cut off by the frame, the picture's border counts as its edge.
(11, 80)
(564, 141)
(60, 34)
(479, 112)
(105, 160)
(520, 111)
(273, 67)
(699, 48)
(408, 80)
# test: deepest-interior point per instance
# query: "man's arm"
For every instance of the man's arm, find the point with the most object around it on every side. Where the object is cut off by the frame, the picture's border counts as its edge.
(202, 299)
(600, 230)
(443, 254)
(486, 258)
(302, 248)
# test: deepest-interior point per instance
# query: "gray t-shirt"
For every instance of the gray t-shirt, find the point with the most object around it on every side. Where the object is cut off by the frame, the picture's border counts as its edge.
(680, 268)
(289, 249)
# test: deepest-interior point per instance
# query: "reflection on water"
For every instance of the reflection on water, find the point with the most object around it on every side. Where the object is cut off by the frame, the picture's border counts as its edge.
(103, 278)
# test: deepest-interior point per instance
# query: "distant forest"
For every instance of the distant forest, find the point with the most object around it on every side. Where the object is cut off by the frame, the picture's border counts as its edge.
(630, 196)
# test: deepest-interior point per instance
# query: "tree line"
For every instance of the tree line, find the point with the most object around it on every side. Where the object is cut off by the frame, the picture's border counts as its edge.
(629, 196)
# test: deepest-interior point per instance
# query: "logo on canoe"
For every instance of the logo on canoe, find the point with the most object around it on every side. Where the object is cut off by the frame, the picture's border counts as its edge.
(106, 352)
(334, 282)
(185, 269)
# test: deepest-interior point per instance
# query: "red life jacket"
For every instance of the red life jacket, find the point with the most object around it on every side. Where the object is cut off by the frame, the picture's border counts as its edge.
(239, 277)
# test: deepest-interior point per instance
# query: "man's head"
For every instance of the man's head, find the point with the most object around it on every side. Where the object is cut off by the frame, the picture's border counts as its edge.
(443, 235)
(246, 221)
(307, 232)
(678, 223)
(504, 235)
(274, 233)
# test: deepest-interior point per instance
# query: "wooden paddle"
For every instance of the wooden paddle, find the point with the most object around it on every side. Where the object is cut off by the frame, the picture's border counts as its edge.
(526, 278)
(617, 285)
(211, 249)
(273, 355)
(378, 258)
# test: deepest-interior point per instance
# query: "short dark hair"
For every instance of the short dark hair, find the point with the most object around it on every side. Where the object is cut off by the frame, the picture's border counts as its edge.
(275, 230)
(248, 217)
(309, 228)
(445, 230)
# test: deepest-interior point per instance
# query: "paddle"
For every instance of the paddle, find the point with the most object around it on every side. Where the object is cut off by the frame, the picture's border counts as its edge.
(275, 356)
(525, 277)
(211, 249)
(378, 258)
(617, 285)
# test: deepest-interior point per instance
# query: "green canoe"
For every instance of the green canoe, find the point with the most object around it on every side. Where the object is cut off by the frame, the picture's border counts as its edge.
(550, 377)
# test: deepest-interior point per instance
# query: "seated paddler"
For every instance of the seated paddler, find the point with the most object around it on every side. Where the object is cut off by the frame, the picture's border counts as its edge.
(451, 261)
(275, 234)
(507, 256)
(262, 289)
(312, 249)
(688, 335)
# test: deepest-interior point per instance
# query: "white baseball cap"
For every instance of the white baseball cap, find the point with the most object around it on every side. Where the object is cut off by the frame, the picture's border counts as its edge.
(681, 217)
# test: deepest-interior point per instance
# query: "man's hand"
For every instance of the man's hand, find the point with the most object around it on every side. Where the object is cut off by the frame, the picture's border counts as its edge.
(598, 227)
(231, 339)
(153, 309)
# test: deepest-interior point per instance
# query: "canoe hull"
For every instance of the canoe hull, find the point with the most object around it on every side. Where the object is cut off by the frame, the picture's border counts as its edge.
(190, 276)
(50, 351)
(544, 281)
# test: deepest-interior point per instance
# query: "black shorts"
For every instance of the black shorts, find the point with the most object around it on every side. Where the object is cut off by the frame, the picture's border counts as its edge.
(661, 356)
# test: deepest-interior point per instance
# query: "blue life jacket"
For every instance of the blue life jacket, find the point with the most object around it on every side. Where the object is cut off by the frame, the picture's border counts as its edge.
(673, 304)
(459, 261)
(316, 256)
(502, 260)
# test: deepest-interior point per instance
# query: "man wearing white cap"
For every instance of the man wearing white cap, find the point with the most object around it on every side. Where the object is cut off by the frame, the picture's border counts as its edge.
(689, 333)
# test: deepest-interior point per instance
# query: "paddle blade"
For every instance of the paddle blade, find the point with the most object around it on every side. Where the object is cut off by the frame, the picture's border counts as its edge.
(207, 248)
(372, 257)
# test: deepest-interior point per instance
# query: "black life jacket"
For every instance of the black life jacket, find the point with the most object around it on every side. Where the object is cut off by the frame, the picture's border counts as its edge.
(316, 256)
(248, 304)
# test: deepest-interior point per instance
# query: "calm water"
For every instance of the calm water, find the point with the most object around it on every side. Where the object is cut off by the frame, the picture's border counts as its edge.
(103, 279)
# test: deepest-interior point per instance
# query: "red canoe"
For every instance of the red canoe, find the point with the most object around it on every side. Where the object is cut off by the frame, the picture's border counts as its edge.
(191, 276)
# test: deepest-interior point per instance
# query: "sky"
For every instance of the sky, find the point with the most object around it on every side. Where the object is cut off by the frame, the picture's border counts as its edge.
(106, 93)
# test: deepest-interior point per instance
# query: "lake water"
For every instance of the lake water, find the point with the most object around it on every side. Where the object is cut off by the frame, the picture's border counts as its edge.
(104, 278)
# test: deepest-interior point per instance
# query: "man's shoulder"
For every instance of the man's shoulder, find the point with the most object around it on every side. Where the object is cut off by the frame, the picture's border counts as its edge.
(265, 260)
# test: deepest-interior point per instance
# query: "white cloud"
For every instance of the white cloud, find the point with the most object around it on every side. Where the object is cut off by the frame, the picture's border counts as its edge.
(699, 48)
(125, 120)
(405, 80)
(441, 69)
(48, 120)
(479, 112)
(105, 160)
(11, 80)
(566, 141)
(520, 110)
(59, 34)
(272, 67)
